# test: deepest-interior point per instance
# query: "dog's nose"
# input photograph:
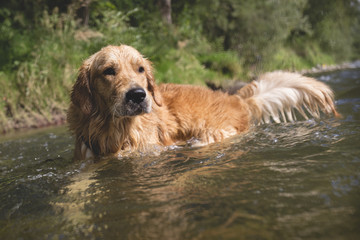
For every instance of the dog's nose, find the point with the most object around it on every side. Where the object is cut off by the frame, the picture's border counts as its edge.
(136, 95)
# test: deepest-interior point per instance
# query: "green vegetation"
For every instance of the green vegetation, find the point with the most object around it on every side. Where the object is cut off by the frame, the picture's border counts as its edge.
(43, 42)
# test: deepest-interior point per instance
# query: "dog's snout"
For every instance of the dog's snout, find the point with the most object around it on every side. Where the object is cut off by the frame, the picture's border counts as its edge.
(136, 95)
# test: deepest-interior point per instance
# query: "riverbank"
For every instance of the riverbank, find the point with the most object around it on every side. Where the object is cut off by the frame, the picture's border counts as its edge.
(32, 120)
(330, 68)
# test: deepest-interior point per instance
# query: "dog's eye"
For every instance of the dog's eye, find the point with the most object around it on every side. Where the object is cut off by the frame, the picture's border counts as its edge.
(109, 71)
(141, 69)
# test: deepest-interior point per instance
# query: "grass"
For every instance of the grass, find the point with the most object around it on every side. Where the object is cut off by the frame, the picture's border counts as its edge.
(287, 58)
(180, 66)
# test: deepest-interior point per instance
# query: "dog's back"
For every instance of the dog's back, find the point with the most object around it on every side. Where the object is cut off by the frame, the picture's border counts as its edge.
(204, 114)
(214, 115)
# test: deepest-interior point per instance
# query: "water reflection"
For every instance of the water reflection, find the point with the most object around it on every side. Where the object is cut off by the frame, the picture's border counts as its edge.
(151, 192)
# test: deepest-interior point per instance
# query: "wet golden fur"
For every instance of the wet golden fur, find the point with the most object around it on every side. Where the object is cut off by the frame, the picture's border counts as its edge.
(105, 122)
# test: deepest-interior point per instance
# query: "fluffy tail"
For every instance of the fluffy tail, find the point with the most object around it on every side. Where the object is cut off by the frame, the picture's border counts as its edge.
(276, 95)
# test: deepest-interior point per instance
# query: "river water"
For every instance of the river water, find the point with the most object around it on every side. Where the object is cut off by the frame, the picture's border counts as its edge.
(280, 181)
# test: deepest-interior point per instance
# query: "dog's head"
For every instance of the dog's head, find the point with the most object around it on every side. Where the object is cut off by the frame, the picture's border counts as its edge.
(117, 80)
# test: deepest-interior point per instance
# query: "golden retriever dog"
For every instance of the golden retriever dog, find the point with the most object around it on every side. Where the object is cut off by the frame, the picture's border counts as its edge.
(117, 107)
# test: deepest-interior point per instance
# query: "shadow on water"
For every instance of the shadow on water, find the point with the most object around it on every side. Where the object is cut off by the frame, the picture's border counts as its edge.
(279, 181)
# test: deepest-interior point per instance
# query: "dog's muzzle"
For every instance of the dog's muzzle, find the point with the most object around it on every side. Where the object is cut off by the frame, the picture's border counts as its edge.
(136, 102)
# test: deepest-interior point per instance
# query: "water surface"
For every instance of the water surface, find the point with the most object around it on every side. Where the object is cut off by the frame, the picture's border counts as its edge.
(280, 181)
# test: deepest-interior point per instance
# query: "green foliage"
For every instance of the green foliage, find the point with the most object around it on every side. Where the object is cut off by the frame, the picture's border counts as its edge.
(288, 59)
(38, 81)
(226, 63)
(44, 42)
(255, 29)
(333, 26)
(181, 67)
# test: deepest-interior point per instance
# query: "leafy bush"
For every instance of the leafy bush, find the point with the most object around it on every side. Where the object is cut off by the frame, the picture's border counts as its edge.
(183, 67)
(254, 29)
(226, 63)
(334, 26)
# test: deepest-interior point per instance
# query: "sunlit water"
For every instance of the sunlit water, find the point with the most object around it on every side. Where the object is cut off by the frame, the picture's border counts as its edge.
(280, 181)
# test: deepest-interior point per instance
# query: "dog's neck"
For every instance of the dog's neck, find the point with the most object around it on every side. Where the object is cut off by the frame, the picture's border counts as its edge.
(109, 135)
(105, 135)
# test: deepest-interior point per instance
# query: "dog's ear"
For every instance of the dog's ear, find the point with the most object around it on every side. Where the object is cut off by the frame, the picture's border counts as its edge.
(152, 85)
(81, 93)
